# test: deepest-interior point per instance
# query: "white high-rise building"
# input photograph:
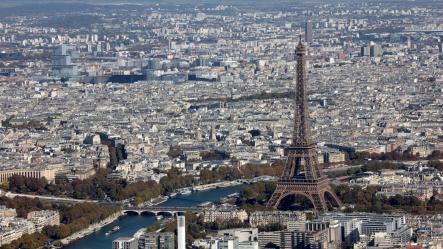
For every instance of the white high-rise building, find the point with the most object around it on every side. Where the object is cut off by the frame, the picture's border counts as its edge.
(226, 242)
(181, 231)
(125, 243)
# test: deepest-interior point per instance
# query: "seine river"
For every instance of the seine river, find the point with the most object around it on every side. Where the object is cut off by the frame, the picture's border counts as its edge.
(130, 224)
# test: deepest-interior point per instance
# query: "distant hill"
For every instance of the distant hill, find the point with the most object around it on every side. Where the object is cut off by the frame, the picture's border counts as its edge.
(5, 4)
(9, 3)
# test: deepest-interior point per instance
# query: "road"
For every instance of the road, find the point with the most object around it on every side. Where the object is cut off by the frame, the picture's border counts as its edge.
(342, 168)
(44, 197)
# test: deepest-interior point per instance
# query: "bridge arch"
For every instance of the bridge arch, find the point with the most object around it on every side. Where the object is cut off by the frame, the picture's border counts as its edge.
(164, 211)
(148, 213)
(167, 213)
(131, 212)
(306, 199)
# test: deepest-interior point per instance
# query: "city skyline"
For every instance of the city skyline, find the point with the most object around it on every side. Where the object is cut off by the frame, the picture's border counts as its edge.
(115, 117)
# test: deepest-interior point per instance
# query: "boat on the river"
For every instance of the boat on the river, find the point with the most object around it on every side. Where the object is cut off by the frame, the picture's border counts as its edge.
(130, 223)
(205, 204)
(159, 217)
(186, 191)
(113, 230)
(160, 200)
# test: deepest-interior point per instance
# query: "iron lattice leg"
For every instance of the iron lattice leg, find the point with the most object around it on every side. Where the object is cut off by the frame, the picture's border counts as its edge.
(335, 201)
(319, 202)
(276, 197)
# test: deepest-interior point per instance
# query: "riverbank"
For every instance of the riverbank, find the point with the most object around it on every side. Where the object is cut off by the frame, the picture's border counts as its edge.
(223, 184)
(156, 201)
(130, 224)
(92, 228)
(44, 197)
(204, 187)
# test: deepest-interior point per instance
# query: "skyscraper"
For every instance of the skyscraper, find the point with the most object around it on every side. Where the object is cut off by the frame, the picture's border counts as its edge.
(365, 51)
(125, 243)
(61, 63)
(308, 31)
(375, 50)
(440, 45)
(181, 231)
(372, 50)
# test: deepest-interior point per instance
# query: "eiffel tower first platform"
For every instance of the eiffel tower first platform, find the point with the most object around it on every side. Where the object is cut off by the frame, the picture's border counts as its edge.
(302, 174)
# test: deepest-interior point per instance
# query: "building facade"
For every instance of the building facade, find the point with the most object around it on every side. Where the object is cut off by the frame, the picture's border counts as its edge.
(125, 243)
(224, 214)
(157, 241)
(48, 174)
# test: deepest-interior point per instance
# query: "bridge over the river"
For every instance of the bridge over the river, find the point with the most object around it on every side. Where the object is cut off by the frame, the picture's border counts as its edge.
(158, 210)
(417, 30)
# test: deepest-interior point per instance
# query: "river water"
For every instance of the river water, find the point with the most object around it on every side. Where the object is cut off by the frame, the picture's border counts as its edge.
(130, 224)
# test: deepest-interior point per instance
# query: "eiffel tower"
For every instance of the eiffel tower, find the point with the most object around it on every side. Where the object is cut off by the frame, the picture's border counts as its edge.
(302, 174)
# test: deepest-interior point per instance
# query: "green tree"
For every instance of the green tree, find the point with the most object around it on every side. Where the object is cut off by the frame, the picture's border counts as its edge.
(436, 164)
